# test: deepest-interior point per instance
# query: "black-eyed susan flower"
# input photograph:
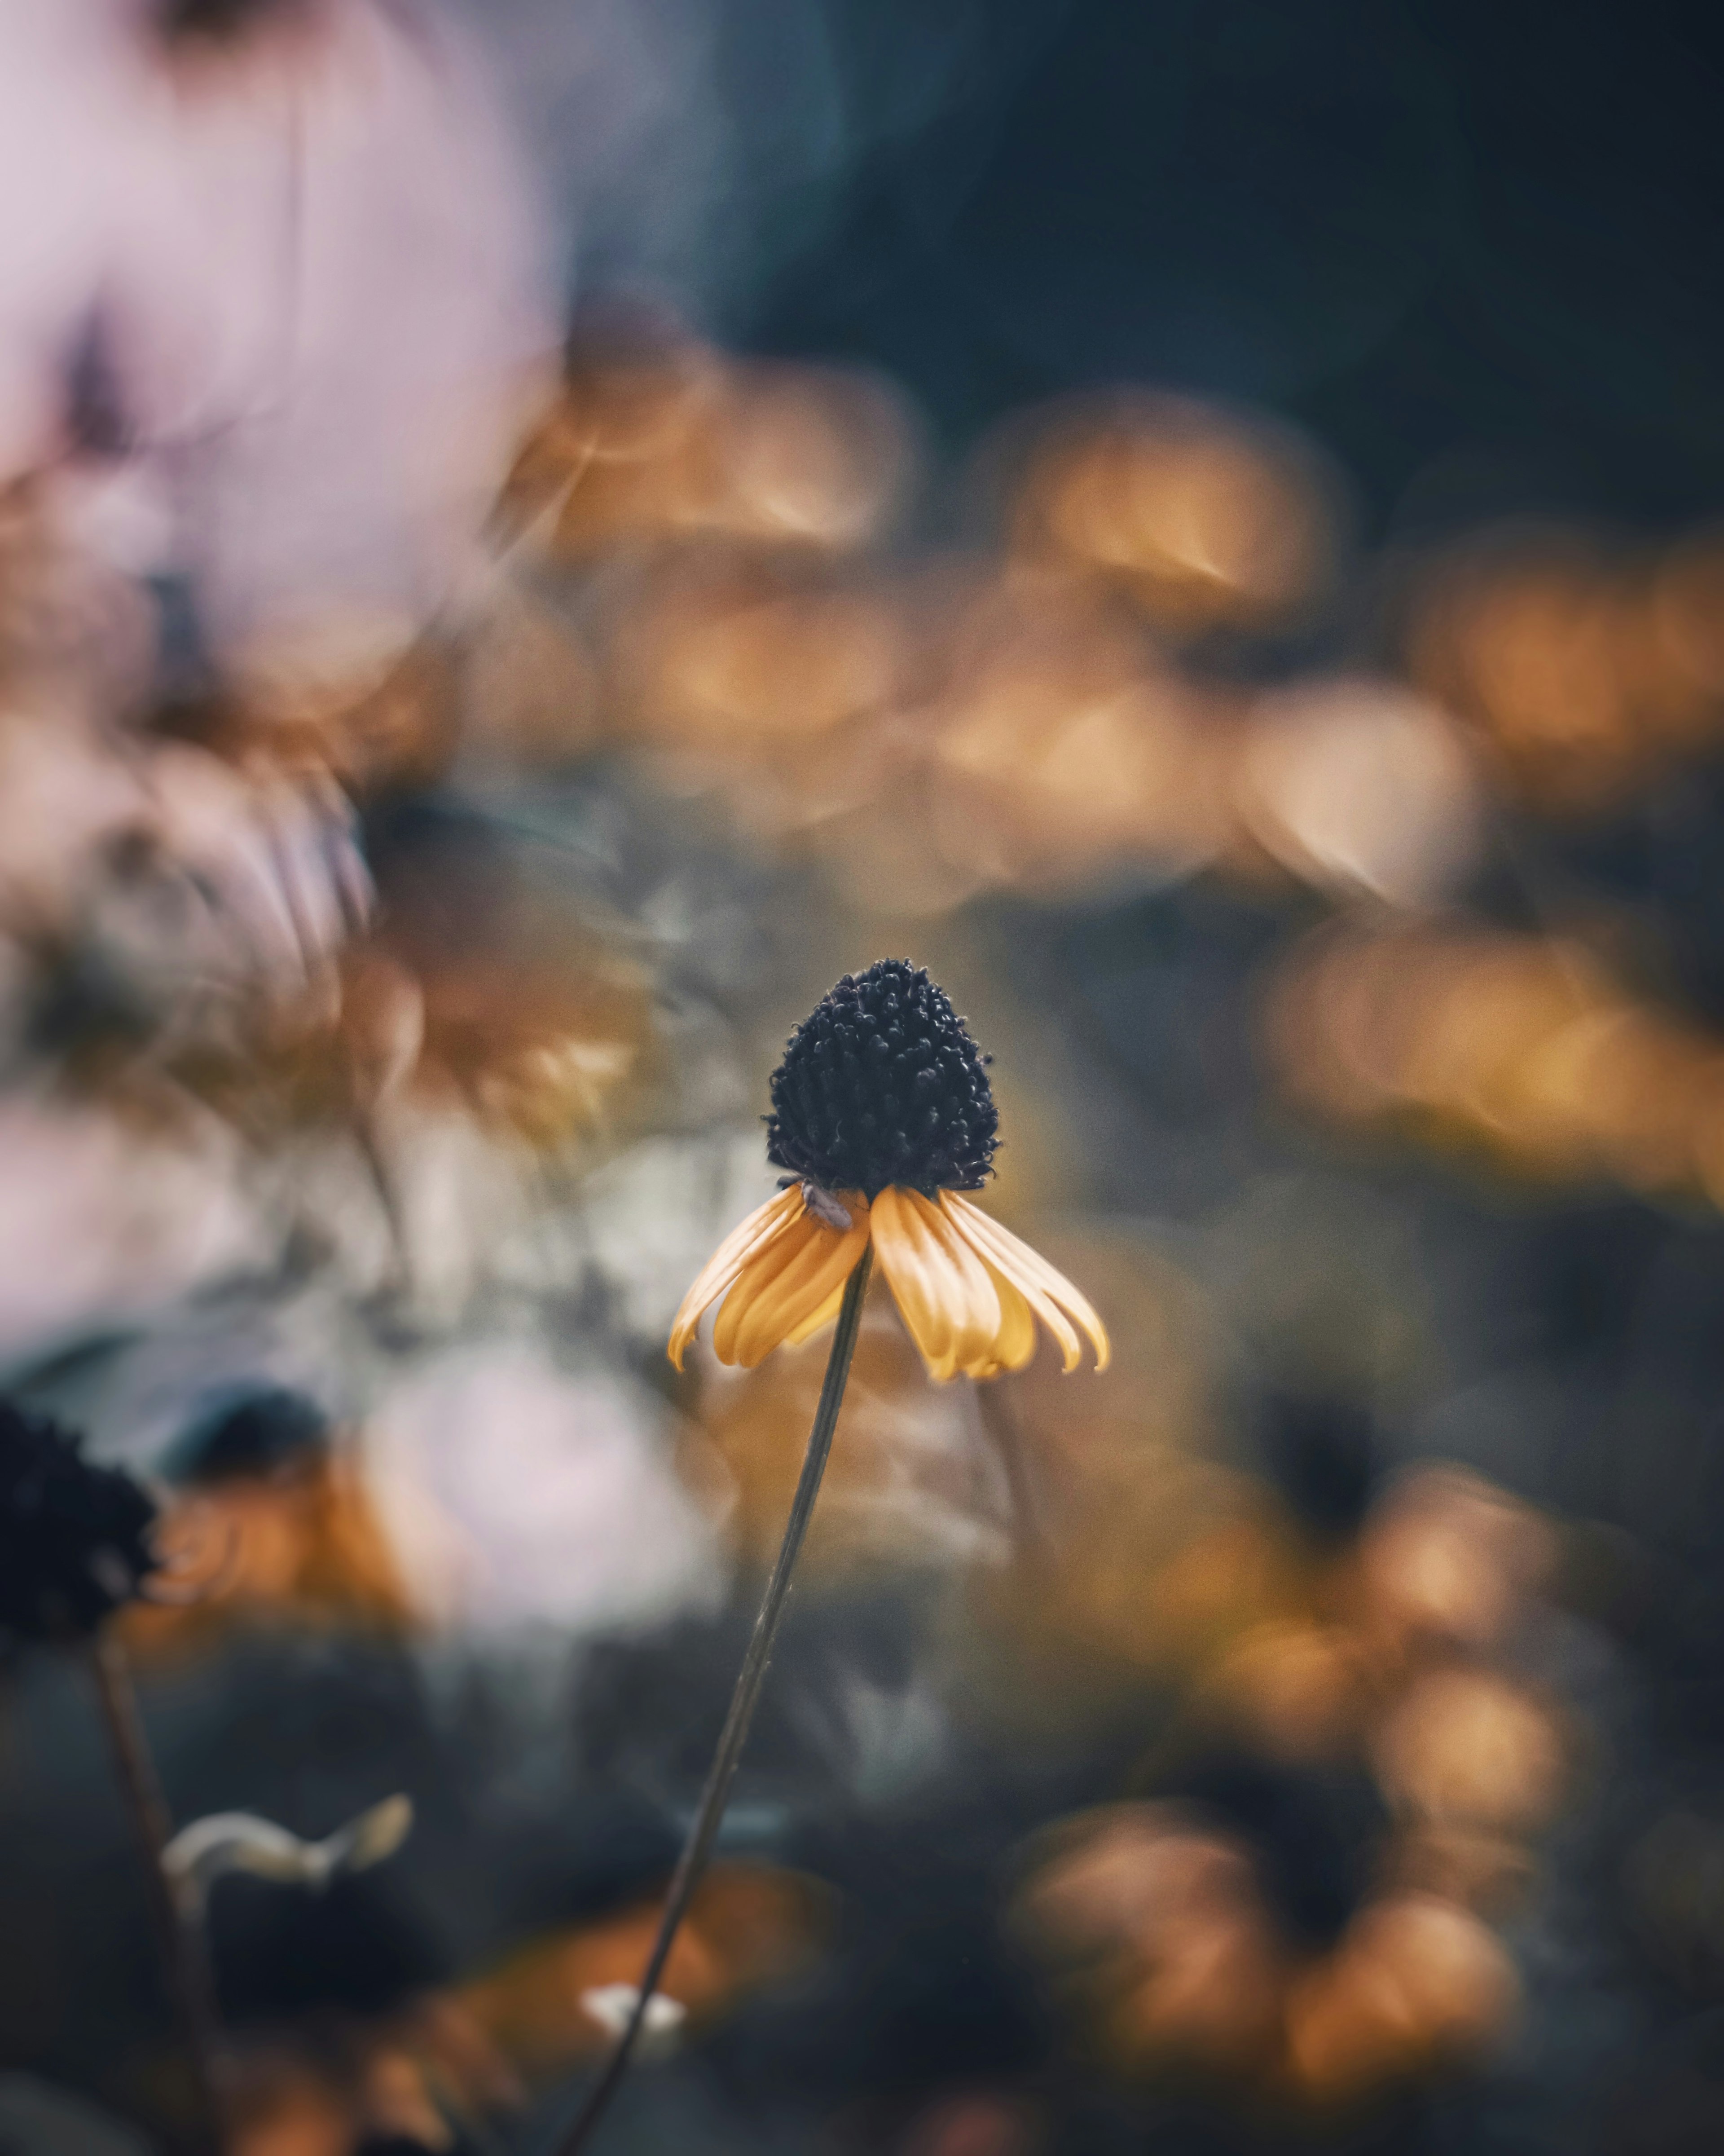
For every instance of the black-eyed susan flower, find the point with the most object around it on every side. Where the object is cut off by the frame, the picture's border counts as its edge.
(884, 1117)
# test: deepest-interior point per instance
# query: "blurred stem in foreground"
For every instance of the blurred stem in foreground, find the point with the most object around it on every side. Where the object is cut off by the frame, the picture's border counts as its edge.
(704, 1830)
(179, 1936)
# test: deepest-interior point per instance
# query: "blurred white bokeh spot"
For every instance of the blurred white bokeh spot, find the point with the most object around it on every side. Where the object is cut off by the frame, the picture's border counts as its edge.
(519, 1495)
(106, 1223)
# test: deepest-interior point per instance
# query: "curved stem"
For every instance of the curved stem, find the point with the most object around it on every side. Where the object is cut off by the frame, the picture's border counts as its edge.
(182, 1942)
(704, 1831)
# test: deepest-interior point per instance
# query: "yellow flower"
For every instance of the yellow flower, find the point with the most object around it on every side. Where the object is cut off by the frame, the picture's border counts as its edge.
(883, 1112)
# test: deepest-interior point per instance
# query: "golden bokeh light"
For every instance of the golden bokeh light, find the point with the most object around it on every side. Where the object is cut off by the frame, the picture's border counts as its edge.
(1208, 518)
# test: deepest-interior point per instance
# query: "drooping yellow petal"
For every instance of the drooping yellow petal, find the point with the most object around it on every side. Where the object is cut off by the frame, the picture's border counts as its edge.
(1048, 1291)
(827, 1314)
(762, 1226)
(944, 1292)
(758, 1272)
(1041, 1304)
(785, 1283)
(1016, 1344)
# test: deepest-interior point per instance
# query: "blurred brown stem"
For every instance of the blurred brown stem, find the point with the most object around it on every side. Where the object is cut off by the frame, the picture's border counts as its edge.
(181, 1941)
(698, 1847)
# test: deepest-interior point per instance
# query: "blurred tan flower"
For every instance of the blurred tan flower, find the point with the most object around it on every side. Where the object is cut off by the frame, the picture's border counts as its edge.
(1159, 1939)
(1302, 1690)
(1357, 786)
(356, 691)
(1207, 517)
(740, 658)
(658, 439)
(1414, 1984)
(1447, 1556)
(1157, 1925)
(1586, 664)
(1043, 684)
(529, 690)
(1465, 1747)
(1521, 1046)
(295, 1543)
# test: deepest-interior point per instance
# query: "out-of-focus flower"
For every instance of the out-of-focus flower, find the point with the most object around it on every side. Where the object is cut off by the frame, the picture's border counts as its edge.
(1209, 518)
(296, 1523)
(1585, 664)
(1158, 1930)
(1358, 786)
(353, 691)
(1519, 1044)
(657, 440)
(159, 899)
(1303, 1690)
(76, 1540)
(233, 885)
(742, 658)
(533, 1016)
(1448, 1557)
(529, 689)
(1159, 1926)
(1045, 686)
(1524, 641)
(1415, 1983)
(407, 1109)
(1465, 1747)
(882, 1110)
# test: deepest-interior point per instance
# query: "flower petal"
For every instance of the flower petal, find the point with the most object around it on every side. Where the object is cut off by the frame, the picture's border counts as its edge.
(943, 1292)
(762, 1225)
(1016, 1344)
(1048, 1292)
(1041, 1304)
(827, 1314)
(784, 1285)
(757, 1273)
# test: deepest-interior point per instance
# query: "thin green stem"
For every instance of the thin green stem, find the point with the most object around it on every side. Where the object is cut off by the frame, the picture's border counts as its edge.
(704, 1831)
(181, 1941)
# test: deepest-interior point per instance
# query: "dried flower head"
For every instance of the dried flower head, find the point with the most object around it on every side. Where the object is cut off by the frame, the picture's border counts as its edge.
(882, 1084)
(75, 1538)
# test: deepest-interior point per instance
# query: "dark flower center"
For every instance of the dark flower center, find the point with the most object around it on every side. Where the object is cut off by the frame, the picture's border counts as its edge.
(74, 1537)
(881, 1084)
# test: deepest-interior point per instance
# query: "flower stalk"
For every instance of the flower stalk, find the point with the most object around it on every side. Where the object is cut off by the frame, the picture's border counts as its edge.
(178, 1934)
(710, 1814)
